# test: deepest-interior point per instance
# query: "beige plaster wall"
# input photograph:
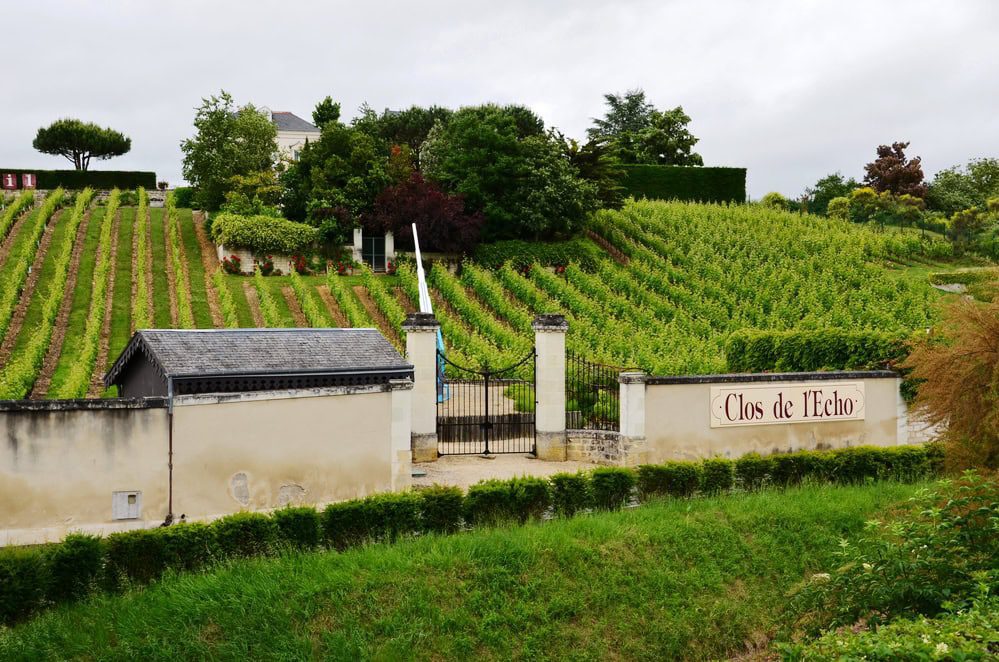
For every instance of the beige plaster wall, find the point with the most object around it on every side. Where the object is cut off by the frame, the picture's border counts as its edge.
(678, 425)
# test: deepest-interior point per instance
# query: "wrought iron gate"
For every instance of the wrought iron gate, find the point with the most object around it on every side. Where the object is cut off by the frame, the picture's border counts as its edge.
(480, 412)
(592, 394)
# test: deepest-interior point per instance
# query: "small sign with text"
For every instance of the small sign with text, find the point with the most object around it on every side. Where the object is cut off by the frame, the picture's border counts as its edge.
(813, 402)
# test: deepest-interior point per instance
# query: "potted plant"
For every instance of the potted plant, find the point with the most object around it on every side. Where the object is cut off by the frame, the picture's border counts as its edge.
(162, 185)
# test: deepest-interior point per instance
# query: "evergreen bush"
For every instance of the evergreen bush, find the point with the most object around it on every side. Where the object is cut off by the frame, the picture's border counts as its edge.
(245, 534)
(612, 487)
(752, 471)
(675, 479)
(441, 508)
(717, 475)
(570, 493)
(75, 567)
(136, 557)
(298, 526)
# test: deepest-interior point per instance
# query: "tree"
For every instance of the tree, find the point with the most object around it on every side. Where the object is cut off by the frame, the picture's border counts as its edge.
(228, 142)
(955, 189)
(597, 164)
(895, 173)
(81, 141)
(440, 218)
(518, 178)
(827, 188)
(775, 200)
(641, 134)
(408, 127)
(667, 141)
(326, 111)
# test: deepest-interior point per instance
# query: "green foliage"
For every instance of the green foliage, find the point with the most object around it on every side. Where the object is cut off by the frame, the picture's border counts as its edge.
(611, 487)
(268, 307)
(348, 303)
(23, 581)
(751, 350)
(189, 545)
(184, 197)
(598, 164)
(326, 111)
(939, 553)
(675, 479)
(307, 300)
(77, 180)
(182, 286)
(775, 200)
(664, 182)
(245, 534)
(570, 493)
(228, 141)
(393, 514)
(300, 527)
(530, 497)
(957, 188)
(263, 234)
(346, 523)
(752, 471)
(717, 475)
(441, 508)
(790, 469)
(141, 314)
(638, 133)
(74, 567)
(488, 503)
(828, 188)
(13, 209)
(968, 277)
(227, 303)
(134, 557)
(523, 254)
(80, 141)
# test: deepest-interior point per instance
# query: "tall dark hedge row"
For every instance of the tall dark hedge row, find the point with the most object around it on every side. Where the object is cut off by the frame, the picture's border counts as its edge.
(751, 350)
(658, 182)
(81, 179)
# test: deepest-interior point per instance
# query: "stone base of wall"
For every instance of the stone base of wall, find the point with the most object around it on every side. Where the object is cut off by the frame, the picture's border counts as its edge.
(551, 446)
(605, 447)
(247, 259)
(424, 447)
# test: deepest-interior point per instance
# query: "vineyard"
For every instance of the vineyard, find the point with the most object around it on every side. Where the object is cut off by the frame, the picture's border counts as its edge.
(77, 277)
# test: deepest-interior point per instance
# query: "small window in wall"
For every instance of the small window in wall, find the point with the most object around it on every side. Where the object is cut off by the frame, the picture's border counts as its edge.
(126, 504)
(373, 251)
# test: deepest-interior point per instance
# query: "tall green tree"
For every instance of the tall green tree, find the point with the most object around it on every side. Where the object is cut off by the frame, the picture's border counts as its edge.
(827, 188)
(598, 165)
(641, 134)
(81, 141)
(228, 142)
(958, 188)
(326, 111)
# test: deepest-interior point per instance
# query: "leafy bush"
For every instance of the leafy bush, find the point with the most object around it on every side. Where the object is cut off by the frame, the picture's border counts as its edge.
(530, 497)
(184, 195)
(393, 514)
(75, 566)
(134, 557)
(523, 254)
(751, 350)
(717, 475)
(441, 508)
(675, 479)
(570, 493)
(262, 234)
(775, 200)
(612, 487)
(298, 526)
(752, 470)
(23, 578)
(685, 183)
(789, 469)
(245, 534)
(488, 502)
(81, 179)
(346, 523)
(189, 545)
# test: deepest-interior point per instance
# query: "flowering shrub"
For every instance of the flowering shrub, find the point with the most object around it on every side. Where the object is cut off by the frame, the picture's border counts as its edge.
(232, 264)
(266, 265)
(390, 267)
(299, 263)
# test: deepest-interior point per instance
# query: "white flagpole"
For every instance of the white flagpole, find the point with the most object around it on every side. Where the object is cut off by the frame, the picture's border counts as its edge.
(425, 304)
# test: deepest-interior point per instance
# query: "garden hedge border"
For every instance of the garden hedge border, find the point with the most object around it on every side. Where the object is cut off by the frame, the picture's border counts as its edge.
(34, 577)
(694, 184)
(76, 180)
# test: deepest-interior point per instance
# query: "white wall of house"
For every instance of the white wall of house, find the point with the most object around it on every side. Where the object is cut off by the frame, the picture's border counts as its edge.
(289, 143)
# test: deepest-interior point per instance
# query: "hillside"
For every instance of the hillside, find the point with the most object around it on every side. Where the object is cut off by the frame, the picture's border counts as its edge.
(682, 277)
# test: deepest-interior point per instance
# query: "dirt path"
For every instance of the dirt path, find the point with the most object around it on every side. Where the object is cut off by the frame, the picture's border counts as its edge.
(466, 470)
(294, 307)
(101, 365)
(375, 313)
(17, 319)
(332, 306)
(618, 256)
(404, 301)
(254, 302)
(44, 380)
(8, 241)
(210, 261)
(171, 276)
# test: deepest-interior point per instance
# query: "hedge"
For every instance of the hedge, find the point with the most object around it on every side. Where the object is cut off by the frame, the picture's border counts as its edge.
(262, 234)
(750, 350)
(967, 277)
(34, 577)
(81, 179)
(696, 184)
(522, 254)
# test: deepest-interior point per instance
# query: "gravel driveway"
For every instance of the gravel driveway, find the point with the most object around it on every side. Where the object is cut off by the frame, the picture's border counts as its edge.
(465, 470)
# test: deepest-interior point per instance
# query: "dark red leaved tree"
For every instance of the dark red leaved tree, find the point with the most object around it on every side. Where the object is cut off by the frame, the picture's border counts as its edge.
(894, 172)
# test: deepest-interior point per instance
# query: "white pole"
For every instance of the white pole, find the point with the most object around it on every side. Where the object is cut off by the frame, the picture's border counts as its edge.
(425, 304)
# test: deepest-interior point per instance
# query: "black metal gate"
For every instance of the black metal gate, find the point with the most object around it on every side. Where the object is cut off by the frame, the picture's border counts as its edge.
(592, 394)
(481, 412)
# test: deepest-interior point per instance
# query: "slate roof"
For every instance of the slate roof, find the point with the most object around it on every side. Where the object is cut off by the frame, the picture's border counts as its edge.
(291, 122)
(179, 353)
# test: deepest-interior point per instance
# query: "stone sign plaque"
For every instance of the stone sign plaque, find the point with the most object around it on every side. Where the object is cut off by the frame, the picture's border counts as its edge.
(770, 404)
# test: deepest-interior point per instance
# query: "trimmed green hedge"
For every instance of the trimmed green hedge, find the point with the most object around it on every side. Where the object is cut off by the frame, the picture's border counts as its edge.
(750, 350)
(81, 179)
(695, 184)
(968, 277)
(522, 254)
(262, 234)
(34, 577)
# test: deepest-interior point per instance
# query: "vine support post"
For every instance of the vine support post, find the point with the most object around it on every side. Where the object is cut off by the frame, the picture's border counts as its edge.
(421, 350)
(549, 386)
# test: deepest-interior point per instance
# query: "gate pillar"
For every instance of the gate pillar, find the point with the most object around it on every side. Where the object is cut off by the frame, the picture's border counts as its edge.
(421, 350)
(549, 386)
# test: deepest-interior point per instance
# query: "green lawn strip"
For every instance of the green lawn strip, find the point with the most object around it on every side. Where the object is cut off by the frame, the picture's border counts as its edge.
(243, 312)
(80, 307)
(195, 270)
(275, 285)
(46, 276)
(693, 579)
(161, 285)
(121, 302)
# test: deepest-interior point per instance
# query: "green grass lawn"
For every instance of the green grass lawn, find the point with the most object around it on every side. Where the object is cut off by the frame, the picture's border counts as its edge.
(161, 285)
(80, 309)
(121, 303)
(195, 270)
(671, 579)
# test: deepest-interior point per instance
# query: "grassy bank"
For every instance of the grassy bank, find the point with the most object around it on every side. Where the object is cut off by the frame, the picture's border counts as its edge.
(670, 579)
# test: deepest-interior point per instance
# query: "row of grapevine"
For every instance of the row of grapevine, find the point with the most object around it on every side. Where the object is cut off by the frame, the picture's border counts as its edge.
(349, 305)
(13, 210)
(18, 376)
(307, 300)
(227, 303)
(78, 380)
(185, 318)
(475, 314)
(20, 261)
(268, 307)
(383, 298)
(141, 315)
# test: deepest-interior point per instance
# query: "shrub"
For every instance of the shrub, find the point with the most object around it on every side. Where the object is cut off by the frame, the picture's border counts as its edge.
(346, 523)
(184, 195)
(187, 546)
(262, 234)
(790, 469)
(717, 475)
(752, 470)
(489, 502)
(775, 200)
(298, 526)
(232, 265)
(855, 466)
(530, 497)
(675, 479)
(245, 534)
(523, 254)
(612, 487)
(75, 566)
(685, 183)
(23, 581)
(752, 350)
(441, 508)
(135, 557)
(393, 514)
(570, 493)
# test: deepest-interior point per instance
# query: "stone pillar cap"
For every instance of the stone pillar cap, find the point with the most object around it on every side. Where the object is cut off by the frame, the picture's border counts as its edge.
(550, 322)
(632, 377)
(421, 322)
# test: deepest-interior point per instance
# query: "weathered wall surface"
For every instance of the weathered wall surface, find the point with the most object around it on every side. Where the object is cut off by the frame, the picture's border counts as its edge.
(678, 421)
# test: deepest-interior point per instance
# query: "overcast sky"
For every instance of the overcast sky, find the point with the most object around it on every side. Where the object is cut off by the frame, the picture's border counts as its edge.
(790, 90)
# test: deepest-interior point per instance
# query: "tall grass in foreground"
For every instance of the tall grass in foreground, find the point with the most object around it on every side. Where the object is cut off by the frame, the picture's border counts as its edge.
(673, 579)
